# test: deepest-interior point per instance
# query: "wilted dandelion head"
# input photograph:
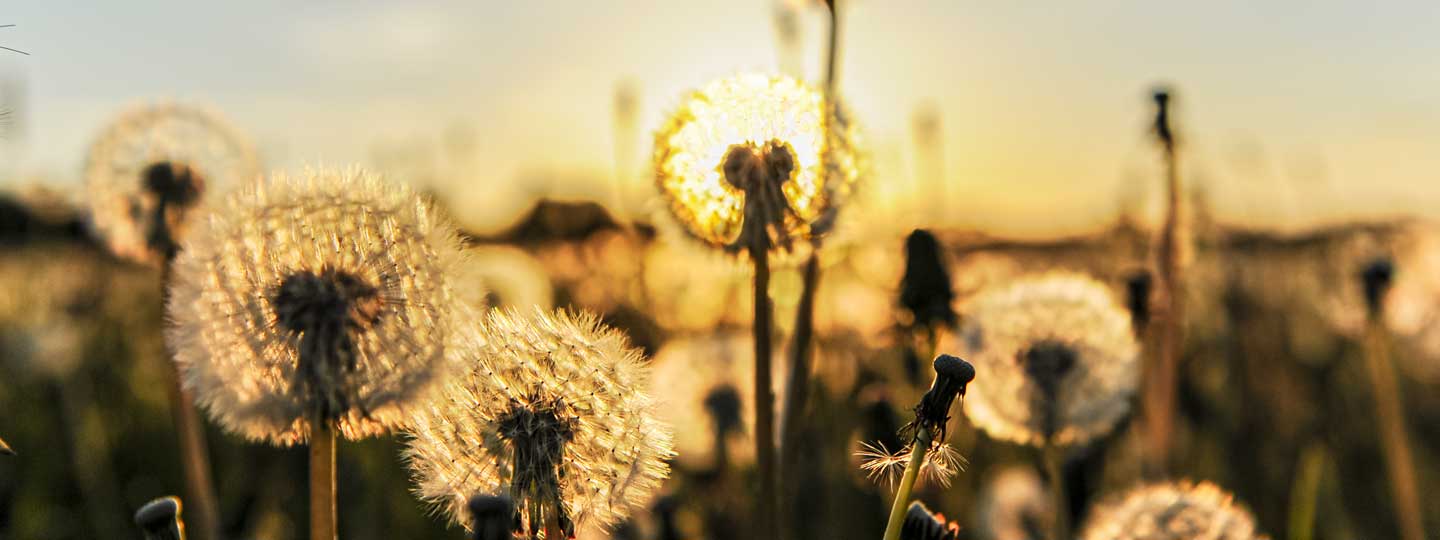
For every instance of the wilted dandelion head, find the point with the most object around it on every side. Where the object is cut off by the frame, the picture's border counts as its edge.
(320, 294)
(152, 167)
(1171, 511)
(552, 411)
(756, 161)
(1057, 356)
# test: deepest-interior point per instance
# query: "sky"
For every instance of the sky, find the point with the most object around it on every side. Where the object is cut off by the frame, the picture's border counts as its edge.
(1292, 112)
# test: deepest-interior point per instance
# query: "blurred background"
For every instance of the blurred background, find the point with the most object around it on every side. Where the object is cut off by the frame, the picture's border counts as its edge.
(1020, 135)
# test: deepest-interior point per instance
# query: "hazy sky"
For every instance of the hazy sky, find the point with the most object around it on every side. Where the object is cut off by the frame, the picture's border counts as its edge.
(1292, 110)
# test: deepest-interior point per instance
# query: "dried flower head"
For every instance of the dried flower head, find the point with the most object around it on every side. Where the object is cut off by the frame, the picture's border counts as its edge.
(152, 167)
(552, 411)
(1058, 358)
(1171, 511)
(755, 161)
(320, 294)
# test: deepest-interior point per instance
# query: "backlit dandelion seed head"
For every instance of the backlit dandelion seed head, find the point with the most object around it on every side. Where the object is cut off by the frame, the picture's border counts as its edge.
(573, 375)
(197, 149)
(1057, 357)
(1172, 511)
(737, 137)
(323, 292)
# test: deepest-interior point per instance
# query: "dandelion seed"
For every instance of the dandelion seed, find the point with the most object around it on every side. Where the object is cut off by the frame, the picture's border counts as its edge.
(155, 165)
(323, 294)
(551, 412)
(753, 161)
(941, 463)
(1058, 358)
(1171, 511)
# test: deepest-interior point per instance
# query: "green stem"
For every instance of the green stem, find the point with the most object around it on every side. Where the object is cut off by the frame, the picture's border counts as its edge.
(1305, 491)
(919, 448)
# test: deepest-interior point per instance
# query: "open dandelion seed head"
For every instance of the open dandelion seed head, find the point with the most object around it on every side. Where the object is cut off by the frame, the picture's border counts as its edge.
(1171, 511)
(323, 293)
(1057, 357)
(756, 158)
(153, 167)
(553, 412)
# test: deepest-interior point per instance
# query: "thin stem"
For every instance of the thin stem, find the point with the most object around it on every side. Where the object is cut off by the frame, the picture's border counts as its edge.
(322, 480)
(797, 387)
(1060, 527)
(919, 448)
(1164, 371)
(1305, 491)
(1393, 437)
(764, 398)
(204, 520)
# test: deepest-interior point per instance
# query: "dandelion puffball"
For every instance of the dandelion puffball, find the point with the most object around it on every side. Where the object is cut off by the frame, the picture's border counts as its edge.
(1057, 358)
(756, 161)
(320, 294)
(1171, 511)
(152, 167)
(552, 412)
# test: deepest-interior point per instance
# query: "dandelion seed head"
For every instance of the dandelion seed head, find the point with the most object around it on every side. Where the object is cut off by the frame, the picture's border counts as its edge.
(1057, 357)
(552, 411)
(775, 140)
(154, 166)
(322, 293)
(1171, 511)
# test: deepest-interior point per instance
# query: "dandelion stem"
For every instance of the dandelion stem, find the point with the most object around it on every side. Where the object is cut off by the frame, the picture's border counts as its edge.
(764, 398)
(1393, 436)
(919, 448)
(1305, 491)
(194, 455)
(1163, 371)
(322, 480)
(1060, 527)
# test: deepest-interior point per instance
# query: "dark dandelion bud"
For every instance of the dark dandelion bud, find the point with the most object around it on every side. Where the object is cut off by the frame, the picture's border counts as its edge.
(665, 509)
(1162, 117)
(925, 288)
(494, 517)
(951, 376)
(1047, 363)
(1137, 298)
(723, 405)
(1376, 278)
(160, 519)
(920, 524)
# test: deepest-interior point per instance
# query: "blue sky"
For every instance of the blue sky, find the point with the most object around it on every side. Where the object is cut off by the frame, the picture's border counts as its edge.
(1293, 111)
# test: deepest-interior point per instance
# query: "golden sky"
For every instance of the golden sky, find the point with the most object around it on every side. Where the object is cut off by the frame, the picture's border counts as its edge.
(1293, 112)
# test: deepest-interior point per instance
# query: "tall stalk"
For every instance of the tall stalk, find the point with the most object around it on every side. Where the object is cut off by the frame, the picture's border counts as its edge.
(764, 397)
(322, 479)
(1163, 372)
(194, 455)
(1388, 409)
(1053, 456)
